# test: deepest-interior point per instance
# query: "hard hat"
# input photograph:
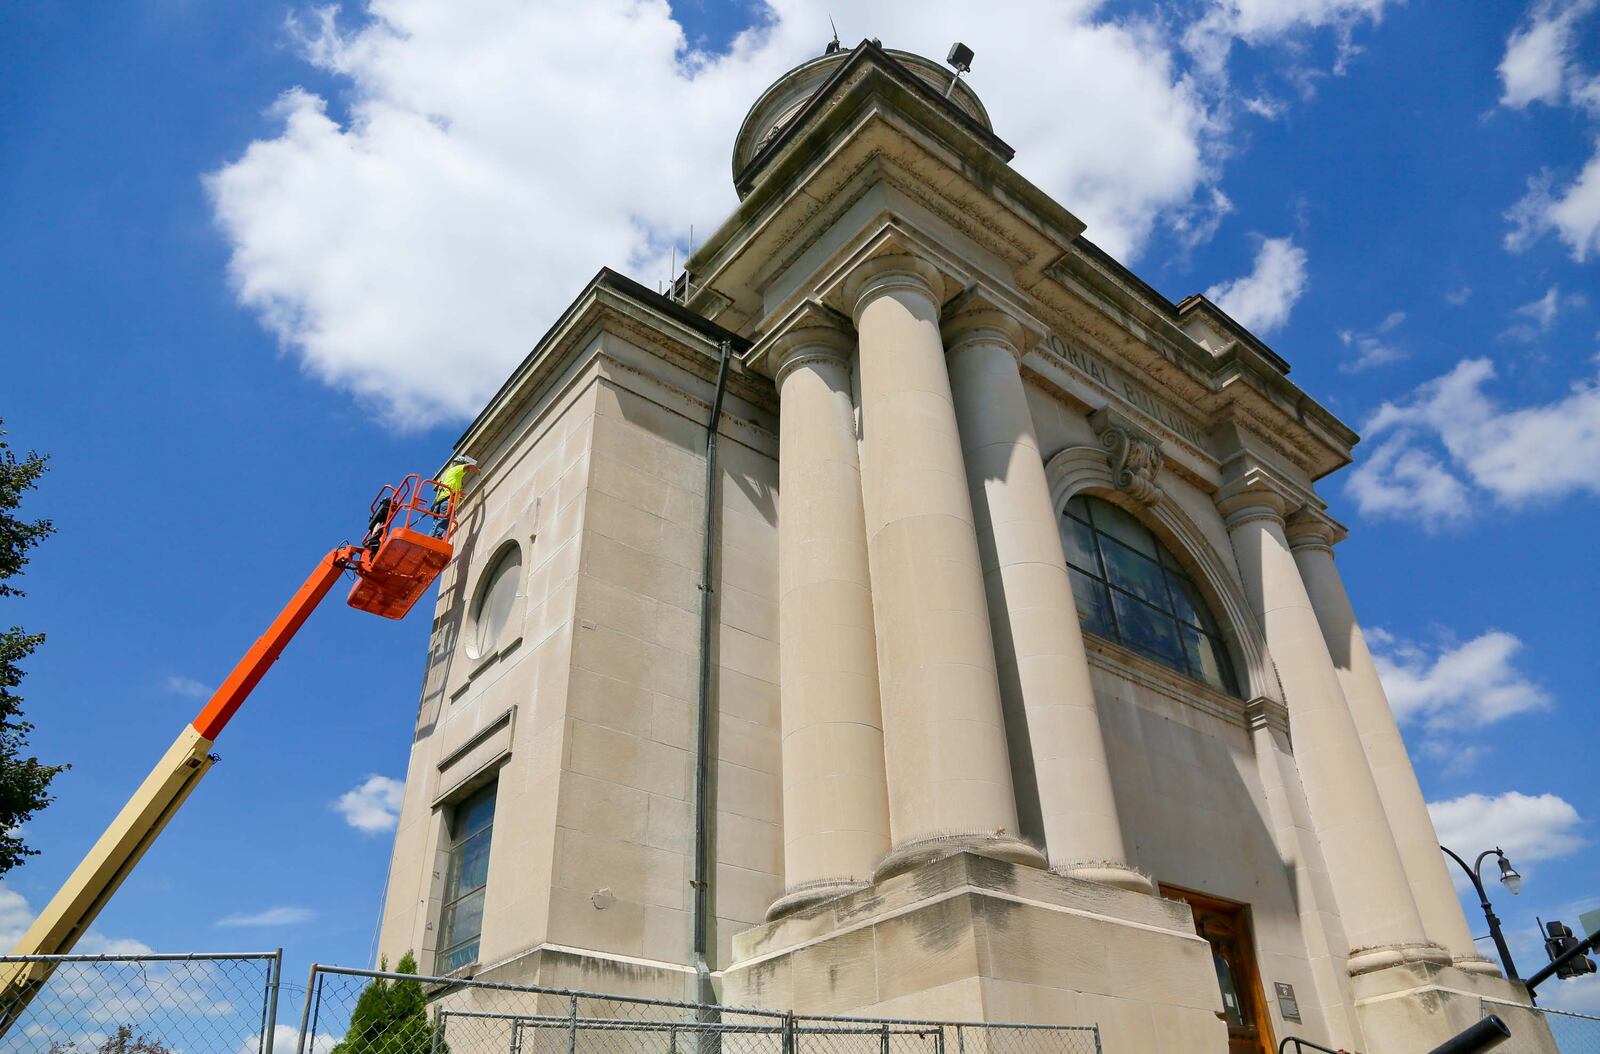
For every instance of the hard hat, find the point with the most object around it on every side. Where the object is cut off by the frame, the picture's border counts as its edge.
(462, 459)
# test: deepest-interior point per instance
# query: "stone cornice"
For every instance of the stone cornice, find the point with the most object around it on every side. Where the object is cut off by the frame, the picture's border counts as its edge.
(618, 304)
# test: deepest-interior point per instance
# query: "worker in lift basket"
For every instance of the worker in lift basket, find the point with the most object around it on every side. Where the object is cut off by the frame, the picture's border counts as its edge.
(450, 482)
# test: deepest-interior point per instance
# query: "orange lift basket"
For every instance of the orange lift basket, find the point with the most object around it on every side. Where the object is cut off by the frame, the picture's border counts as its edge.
(418, 525)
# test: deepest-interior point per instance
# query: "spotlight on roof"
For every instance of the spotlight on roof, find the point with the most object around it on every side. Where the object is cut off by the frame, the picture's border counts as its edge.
(960, 59)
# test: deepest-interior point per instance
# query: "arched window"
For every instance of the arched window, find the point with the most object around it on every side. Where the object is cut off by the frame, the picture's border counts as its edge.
(497, 595)
(1131, 590)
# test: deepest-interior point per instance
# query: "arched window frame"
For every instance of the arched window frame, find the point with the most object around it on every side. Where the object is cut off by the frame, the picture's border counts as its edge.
(1085, 469)
(477, 648)
(1100, 535)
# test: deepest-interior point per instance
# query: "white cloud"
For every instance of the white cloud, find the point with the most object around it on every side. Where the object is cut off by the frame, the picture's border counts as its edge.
(1449, 439)
(1573, 214)
(1457, 687)
(1457, 297)
(16, 915)
(287, 1038)
(187, 686)
(1261, 300)
(493, 158)
(1538, 64)
(278, 916)
(1257, 22)
(372, 805)
(1528, 827)
(1372, 348)
(1542, 313)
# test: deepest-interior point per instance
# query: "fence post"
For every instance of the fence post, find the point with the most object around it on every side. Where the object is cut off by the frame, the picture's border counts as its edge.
(572, 1026)
(516, 1035)
(1097, 1037)
(439, 1017)
(938, 1041)
(269, 1014)
(305, 1012)
(883, 1043)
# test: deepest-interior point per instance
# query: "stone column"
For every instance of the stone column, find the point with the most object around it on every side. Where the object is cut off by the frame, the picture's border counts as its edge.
(1311, 538)
(948, 771)
(835, 803)
(1369, 882)
(1043, 670)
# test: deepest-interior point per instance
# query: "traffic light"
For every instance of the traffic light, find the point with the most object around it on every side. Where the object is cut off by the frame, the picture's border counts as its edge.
(1559, 940)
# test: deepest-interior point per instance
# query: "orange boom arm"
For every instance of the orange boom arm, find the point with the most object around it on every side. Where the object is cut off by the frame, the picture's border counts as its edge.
(402, 562)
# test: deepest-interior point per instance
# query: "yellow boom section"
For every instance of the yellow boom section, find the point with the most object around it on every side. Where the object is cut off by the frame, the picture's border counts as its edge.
(76, 904)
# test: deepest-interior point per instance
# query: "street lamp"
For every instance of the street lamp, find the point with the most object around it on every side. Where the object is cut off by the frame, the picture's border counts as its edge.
(1511, 878)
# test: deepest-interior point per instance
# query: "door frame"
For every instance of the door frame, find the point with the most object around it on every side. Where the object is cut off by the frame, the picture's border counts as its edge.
(1250, 969)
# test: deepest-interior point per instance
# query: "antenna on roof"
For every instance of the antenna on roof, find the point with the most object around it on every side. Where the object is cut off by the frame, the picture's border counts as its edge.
(833, 45)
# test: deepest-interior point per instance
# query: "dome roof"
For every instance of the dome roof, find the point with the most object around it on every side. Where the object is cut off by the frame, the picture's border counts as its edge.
(788, 95)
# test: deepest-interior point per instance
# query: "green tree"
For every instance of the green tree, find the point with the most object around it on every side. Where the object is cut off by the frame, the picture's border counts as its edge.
(24, 780)
(122, 1042)
(391, 1017)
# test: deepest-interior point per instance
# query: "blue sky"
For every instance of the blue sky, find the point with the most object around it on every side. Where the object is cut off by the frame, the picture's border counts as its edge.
(265, 258)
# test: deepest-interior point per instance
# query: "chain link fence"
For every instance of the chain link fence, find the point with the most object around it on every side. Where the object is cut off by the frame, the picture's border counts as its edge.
(138, 1004)
(1538, 1030)
(228, 1004)
(373, 1012)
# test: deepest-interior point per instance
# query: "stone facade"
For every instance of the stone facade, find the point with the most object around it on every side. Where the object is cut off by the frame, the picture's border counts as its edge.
(931, 792)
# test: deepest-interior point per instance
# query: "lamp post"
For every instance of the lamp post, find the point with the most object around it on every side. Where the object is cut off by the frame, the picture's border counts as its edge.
(1512, 880)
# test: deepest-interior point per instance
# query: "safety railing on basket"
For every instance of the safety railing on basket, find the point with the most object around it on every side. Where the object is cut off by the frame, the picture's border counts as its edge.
(1541, 1030)
(139, 1004)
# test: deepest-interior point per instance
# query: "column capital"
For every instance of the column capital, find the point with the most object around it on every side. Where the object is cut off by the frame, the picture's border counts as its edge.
(893, 272)
(1309, 527)
(974, 317)
(807, 345)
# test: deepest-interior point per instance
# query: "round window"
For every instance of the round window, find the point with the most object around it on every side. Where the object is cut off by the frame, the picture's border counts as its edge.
(497, 595)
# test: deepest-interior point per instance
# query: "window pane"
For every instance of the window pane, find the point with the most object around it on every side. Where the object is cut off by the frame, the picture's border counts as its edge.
(474, 814)
(472, 861)
(1140, 576)
(1109, 519)
(1079, 507)
(1077, 541)
(456, 958)
(496, 600)
(1148, 630)
(1187, 603)
(1204, 662)
(1094, 610)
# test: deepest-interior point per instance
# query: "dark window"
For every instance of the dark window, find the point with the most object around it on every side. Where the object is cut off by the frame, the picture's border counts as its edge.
(1130, 589)
(461, 922)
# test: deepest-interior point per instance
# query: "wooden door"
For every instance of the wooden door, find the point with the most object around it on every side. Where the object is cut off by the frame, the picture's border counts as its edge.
(1226, 927)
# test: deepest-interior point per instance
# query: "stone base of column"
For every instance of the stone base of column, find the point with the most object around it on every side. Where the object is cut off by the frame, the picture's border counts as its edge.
(1383, 956)
(918, 851)
(967, 937)
(1119, 875)
(805, 894)
(1415, 1006)
(1477, 964)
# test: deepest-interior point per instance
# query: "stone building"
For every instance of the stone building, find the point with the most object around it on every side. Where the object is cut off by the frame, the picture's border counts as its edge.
(1029, 689)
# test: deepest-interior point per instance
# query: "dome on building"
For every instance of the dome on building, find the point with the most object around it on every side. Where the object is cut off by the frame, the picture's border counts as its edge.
(788, 95)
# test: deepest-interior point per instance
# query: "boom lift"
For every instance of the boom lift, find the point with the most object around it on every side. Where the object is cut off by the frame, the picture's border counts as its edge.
(408, 544)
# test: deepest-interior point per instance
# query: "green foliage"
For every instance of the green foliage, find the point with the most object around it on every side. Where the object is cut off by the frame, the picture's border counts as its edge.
(123, 1041)
(24, 781)
(391, 1017)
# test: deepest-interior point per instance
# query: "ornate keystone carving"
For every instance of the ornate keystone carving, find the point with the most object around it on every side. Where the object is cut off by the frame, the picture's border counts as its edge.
(1136, 456)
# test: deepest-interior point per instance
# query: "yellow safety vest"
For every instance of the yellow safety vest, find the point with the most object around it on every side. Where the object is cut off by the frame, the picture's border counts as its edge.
(452, 478)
